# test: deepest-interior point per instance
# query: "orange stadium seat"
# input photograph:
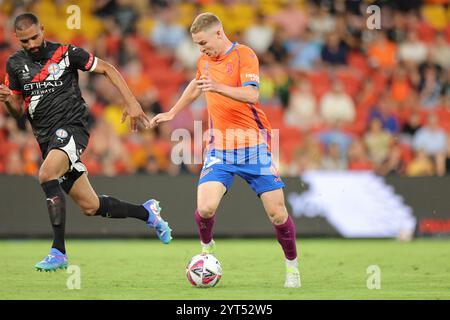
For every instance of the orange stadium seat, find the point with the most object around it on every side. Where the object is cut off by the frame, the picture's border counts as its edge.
(407, 153)
(443, 115)
(446, 32)
(425, 31)
(290, 134)
(379, 80)
(356, 128)
(320, 82)
(351, 80)
(359, 62)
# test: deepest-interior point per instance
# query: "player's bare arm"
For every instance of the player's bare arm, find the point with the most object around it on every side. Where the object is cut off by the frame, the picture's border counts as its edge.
(132, 106)
(12, 102)
(247, 94)
(189, 95)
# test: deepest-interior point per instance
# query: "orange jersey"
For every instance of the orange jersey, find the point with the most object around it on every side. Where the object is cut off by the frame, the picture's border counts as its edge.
(234, 124)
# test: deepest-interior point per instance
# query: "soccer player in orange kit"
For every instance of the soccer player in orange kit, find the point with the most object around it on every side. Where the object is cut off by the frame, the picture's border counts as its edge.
(228, 74)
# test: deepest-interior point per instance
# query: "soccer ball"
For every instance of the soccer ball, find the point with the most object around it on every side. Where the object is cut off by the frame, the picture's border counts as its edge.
(204, 271)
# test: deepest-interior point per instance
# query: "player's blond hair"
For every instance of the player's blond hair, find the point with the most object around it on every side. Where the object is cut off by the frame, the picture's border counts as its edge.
(204, 21)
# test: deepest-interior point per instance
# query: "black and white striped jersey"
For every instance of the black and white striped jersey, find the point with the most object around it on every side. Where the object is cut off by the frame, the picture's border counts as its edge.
(50, 87)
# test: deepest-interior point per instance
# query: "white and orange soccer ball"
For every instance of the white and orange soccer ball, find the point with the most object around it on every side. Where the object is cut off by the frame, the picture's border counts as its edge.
(204, 271)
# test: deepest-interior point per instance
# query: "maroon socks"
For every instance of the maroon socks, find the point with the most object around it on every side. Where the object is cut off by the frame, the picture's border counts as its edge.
(286, 236)
(205, 227)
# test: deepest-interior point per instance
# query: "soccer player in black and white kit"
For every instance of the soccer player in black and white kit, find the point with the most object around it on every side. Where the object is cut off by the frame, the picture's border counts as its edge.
(42, 81)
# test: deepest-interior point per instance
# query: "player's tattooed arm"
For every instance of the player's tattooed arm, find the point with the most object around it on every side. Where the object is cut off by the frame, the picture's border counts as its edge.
(12, 102)
(247, 94)
(132, 106)
(189, 95)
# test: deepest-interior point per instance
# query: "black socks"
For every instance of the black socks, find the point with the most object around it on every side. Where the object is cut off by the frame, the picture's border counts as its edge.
(114, 208)
(56, 205)
(109, 208)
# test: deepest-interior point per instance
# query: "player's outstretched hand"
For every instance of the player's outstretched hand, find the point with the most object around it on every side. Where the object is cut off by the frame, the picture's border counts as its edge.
(160, 118)
(137, 117)
(5, 93)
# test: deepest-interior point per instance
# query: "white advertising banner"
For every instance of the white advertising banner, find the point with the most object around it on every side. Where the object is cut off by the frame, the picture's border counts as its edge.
(357, 204)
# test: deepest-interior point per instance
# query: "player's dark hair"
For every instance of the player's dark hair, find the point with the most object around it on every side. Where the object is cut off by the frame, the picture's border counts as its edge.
(25, 20)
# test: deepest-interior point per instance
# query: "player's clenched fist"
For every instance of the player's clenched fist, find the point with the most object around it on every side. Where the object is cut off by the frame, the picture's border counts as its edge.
(5, 93)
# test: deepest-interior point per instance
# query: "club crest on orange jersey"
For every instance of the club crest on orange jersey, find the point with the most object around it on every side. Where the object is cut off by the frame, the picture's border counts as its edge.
(229, 67)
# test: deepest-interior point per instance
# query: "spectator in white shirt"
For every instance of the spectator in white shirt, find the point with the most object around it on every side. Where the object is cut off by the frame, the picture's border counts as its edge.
(412, 51)
(337, 105)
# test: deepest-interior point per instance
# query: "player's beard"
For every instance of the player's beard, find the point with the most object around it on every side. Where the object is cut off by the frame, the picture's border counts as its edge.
(38, 55)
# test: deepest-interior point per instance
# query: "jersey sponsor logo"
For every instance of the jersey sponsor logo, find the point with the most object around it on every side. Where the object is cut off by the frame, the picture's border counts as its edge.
(252, 77)
(42, 85)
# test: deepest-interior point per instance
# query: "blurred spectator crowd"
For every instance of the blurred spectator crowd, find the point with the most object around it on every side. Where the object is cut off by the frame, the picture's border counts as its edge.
(343, 96)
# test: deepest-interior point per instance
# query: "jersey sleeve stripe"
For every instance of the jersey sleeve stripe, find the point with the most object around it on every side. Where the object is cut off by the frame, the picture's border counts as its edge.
(251, 83)
(94, 65)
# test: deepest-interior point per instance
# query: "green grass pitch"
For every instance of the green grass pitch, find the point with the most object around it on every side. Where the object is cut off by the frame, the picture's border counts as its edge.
(253, 269)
